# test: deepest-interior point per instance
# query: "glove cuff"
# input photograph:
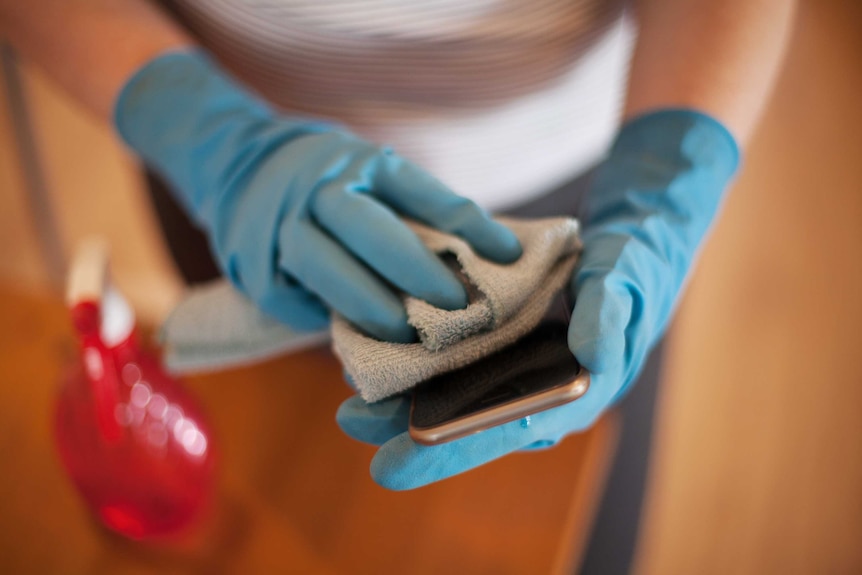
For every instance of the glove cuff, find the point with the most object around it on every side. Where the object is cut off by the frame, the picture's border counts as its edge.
(680, 137)
(675, 163)
(650, 205)
(191, 122)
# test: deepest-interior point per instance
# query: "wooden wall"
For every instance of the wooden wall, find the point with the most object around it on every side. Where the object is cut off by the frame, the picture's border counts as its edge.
(93, 187)
(759, 449)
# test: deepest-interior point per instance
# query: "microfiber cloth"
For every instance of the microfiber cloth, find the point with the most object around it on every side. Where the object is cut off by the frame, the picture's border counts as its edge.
(216, 327)
(506, 302)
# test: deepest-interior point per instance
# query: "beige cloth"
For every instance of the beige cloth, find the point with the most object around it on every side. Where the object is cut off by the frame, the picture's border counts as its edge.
(507, 301)
(215, 327)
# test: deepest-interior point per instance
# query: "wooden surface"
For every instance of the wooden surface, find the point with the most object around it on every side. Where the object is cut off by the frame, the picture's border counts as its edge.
(759, 447)
(295, 495)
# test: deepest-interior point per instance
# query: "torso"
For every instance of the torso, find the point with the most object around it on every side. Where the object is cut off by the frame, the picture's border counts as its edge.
(501, 99)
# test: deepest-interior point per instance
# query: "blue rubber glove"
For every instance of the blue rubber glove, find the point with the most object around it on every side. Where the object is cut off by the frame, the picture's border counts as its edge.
(300, 213)
(649, 207)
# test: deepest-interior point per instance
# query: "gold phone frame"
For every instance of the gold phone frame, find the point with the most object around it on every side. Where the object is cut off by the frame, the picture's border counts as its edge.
(500, 414)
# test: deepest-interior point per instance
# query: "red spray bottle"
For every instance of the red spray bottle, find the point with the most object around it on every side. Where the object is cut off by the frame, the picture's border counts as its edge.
(136, 445)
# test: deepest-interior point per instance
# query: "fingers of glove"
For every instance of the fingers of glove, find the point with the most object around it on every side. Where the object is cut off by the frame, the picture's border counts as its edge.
(597, 330)
(374, 423)
(342, 282)
(381, 239)
(294, 306)
(403, 464)
(584, 411)
(285, 301)
(413, 192)
(245, 254)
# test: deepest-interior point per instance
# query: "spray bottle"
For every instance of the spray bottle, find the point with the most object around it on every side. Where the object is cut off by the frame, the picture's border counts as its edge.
(135, 443)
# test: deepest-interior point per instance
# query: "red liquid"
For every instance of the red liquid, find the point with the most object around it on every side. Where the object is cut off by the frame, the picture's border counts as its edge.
(152, 475)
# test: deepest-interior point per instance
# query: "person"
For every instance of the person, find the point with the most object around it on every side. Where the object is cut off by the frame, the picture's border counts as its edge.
(269, 120)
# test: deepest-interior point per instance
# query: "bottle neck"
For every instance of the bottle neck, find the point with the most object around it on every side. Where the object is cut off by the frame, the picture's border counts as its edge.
(117, 318)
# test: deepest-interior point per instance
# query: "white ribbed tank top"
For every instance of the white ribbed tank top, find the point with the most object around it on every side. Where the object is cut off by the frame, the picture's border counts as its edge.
(501, 99)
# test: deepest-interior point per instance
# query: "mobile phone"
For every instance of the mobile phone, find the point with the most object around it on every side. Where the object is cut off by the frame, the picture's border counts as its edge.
(535, 373)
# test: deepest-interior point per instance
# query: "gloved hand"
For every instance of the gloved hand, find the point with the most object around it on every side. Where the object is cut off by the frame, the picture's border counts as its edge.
(300, 213)
(649, 207)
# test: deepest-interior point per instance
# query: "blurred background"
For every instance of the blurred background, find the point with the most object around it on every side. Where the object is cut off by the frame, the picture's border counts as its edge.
(757, 464)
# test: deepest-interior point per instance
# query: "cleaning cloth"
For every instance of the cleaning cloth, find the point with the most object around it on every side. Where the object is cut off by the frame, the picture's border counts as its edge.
(215, 327)
(506, 302)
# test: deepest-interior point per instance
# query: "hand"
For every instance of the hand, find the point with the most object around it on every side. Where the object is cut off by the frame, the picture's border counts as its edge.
(648, 209)
(303, 216)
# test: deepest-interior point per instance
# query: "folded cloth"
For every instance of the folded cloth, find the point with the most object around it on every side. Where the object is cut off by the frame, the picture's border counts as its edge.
(506, 302)
(216, 327)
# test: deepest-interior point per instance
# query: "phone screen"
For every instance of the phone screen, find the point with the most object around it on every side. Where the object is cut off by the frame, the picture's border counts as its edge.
(533, 365)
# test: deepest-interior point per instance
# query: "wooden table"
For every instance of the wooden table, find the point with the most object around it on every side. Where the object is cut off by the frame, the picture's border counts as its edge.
(294, 493)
